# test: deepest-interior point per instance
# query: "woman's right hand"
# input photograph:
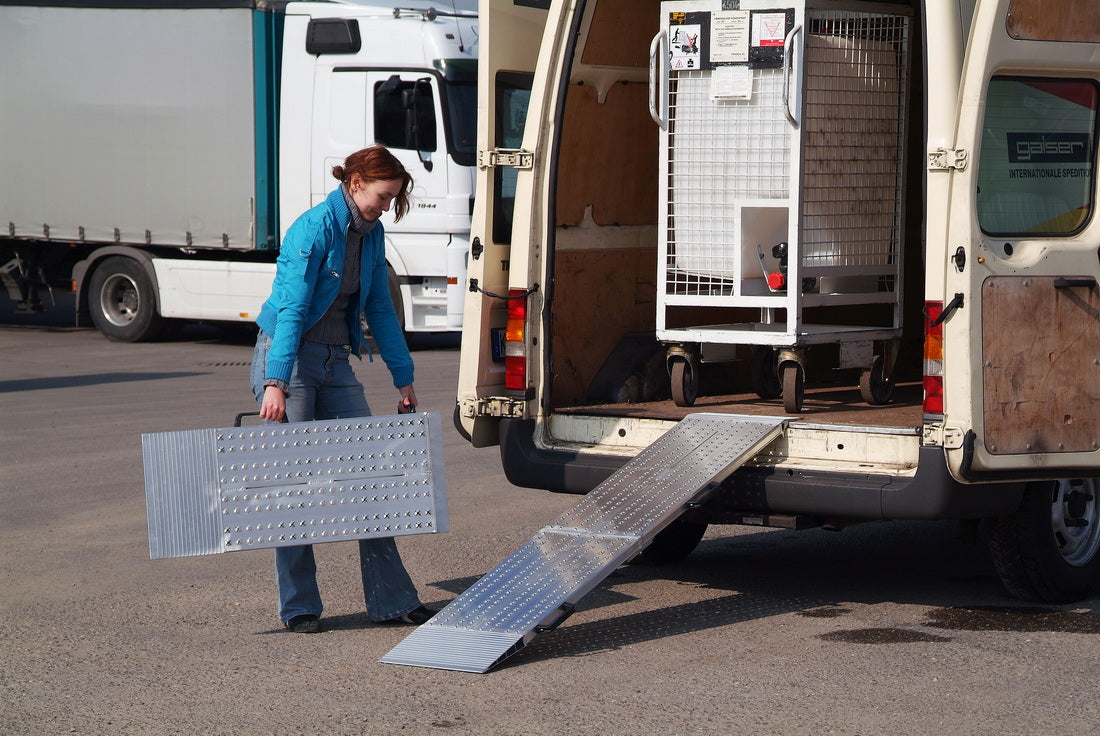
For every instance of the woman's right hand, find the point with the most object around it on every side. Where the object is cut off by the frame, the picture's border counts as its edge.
(273, 406)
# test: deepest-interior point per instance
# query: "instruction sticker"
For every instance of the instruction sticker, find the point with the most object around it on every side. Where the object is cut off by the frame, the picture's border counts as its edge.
(688, 41)
(730, 37)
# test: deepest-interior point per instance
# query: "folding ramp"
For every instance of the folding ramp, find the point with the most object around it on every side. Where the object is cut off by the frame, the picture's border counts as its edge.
(537, 587)
(279, 485)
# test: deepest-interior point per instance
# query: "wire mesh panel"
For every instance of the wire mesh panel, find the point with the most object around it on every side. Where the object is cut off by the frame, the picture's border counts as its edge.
(714, 164)
(853, 142)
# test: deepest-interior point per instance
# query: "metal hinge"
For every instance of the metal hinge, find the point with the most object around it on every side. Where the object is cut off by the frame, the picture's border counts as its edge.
(945, 159)
(495, 406)
(517, 158)
(937, 435)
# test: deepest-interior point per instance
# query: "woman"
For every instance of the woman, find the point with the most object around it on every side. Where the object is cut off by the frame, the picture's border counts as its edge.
(331, 270)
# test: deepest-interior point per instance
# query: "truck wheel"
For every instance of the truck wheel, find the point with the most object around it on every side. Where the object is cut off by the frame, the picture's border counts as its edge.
(672, 544)
(1050, 549)
(122, 301)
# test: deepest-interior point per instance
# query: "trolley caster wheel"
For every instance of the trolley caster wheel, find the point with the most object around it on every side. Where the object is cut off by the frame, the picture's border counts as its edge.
(794, 385)
(874, 386)
(685, 382)
(764, 380)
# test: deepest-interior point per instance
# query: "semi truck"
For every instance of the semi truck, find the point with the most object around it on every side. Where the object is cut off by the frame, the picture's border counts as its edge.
(154, 152)
(959, 376)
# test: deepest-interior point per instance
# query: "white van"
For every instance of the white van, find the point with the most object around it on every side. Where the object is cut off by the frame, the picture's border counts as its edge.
(952, 374)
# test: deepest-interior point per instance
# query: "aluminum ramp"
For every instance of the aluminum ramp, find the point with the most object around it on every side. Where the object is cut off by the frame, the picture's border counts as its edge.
(537, 587)
(279, 485)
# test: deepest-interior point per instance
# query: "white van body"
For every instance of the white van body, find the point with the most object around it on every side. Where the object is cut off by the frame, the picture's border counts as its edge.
(985, 407)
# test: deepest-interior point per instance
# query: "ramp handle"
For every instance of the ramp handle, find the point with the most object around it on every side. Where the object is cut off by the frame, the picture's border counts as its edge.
(242, 415)
(565, 610)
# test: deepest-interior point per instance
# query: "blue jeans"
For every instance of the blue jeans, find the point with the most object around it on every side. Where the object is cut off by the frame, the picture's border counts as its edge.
(323, 386)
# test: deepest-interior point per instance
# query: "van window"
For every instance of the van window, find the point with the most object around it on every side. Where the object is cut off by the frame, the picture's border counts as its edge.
(513, 94)
(404, 114)
(1035, 173)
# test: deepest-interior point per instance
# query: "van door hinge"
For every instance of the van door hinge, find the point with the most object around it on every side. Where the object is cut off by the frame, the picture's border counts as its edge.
(937, 435)
(495, 406)
(945, 159)
(517, 158)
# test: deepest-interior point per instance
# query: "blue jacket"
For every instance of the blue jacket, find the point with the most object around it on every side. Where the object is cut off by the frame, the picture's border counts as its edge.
(307, 278)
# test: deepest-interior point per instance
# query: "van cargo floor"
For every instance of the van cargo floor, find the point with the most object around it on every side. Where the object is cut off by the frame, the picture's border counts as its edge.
(825, 405)
(537, 587)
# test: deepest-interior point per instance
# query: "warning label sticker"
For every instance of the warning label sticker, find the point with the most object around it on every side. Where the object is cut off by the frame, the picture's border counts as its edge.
(768, 29)
(683, 46)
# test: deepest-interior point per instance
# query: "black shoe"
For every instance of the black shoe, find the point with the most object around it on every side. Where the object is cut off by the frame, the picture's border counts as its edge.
(417, 616)
(307, 623)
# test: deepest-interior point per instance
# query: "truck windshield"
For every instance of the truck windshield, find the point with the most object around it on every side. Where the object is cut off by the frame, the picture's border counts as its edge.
(460, 107)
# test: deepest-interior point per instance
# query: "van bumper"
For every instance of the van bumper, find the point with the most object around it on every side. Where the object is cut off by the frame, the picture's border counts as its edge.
(930, 494)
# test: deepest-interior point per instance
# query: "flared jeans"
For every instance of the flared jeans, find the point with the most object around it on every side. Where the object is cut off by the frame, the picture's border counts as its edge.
(323, 386)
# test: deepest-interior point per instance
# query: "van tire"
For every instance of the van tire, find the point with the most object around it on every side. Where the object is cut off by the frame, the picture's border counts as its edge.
(672, 544)
(122, 301)
(1040, 557)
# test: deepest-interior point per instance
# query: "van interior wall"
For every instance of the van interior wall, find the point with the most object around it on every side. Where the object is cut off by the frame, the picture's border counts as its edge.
(605, 245)
(605, 254)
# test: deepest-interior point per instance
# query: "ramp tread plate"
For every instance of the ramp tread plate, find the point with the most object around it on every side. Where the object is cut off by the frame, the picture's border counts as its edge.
(449, 648)
(273, 485)
(565, 560)
(678, 464)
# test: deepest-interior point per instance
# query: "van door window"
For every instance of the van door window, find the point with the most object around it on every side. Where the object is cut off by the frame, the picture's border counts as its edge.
(513, 95)
(404, 114)
(1035, 174)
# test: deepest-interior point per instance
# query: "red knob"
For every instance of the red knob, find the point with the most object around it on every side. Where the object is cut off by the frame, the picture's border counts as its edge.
(776, 281)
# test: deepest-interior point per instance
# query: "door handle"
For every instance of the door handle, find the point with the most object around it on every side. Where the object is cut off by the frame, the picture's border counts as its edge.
(1088, 282)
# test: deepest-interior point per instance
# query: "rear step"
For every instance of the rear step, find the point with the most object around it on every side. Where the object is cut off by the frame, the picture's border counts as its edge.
(538, 586)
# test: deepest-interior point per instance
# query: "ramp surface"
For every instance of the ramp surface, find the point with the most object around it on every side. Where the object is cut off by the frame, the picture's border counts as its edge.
(281, 485)
(537, 587)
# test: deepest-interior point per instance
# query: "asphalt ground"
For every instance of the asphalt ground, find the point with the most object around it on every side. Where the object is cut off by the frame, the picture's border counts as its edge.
(892, 628)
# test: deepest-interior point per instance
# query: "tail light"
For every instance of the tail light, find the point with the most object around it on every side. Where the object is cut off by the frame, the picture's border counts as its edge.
(515, 356)
(933, 359)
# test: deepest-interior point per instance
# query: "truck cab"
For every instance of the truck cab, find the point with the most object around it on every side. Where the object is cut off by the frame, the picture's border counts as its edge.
(406, 79)
(970, 399)
(196, 159)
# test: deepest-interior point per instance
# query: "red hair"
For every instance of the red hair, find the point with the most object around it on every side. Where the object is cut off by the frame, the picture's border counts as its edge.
(378, 164)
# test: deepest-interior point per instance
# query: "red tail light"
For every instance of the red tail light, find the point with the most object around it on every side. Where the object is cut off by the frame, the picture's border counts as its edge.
(933, 359)
(515, 355)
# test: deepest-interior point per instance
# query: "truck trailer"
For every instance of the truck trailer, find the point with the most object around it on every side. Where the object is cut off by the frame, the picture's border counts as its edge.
(619, 137)
(154, 152)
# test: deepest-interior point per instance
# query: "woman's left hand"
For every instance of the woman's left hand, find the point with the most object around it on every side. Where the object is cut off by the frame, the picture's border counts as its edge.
(408, 402)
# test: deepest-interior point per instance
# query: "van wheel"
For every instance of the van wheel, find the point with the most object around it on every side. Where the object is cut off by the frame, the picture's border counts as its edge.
(672, 544)
(1049, 550)
(122, 301)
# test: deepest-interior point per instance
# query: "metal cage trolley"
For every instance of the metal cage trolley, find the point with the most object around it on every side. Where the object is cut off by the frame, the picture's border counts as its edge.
(783, 133)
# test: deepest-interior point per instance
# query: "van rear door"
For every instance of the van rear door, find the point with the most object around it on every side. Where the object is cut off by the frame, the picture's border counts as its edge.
(511, 34)
(1021, 334)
